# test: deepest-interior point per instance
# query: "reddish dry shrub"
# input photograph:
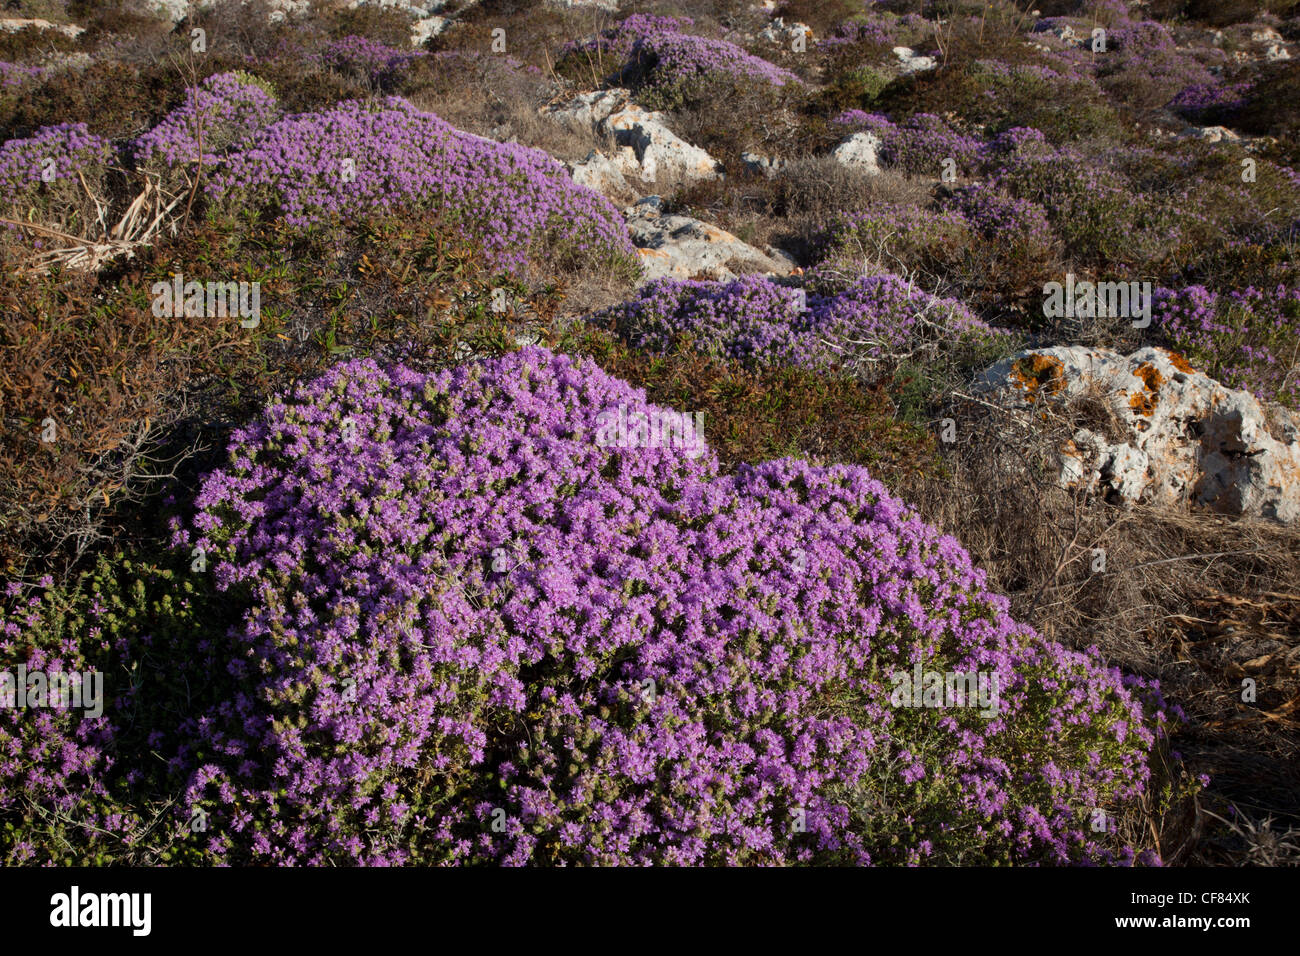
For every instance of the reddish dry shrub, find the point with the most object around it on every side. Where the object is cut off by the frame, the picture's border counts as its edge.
(83, 370)
(132, 395)
(535, 33)
(735, 115)
(33, 43)
(387, 25)
(114, 99)
(488, 96)
(105, 19)
(768, 413)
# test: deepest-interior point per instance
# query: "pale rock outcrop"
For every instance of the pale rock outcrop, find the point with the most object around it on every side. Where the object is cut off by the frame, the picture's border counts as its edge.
(178, 10)
(588, 109)
(1212, 134)
(648, 150)
(420, 8)
(859, 151)
(1177, 438)
(784, 34)
(173, 10)
(426, 28)
(423, 22)
(1067, 35)
(602, 174)
(285, 8)
(609, 6)
(1273, 44)
(13, 25)
(911, 62)
(424, 25)
(685, 248)
(657, 150)
(764, 165)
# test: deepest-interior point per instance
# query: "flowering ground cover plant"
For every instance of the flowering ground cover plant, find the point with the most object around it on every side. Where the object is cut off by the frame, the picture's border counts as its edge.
(478, 633)
(224, 110)
(360, 159)
(52, 760)
(1246, 338)
(15, 74)
(754, 320)
(42, 174)
(73, 787)
(1211, 103)
(358, 56)
(355, 580)
(669, 67)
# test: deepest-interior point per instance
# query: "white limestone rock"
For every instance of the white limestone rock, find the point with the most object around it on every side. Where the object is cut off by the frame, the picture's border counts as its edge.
(1185, 439)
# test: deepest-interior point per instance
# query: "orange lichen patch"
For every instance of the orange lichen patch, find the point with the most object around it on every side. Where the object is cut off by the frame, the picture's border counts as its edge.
(1150, 376)
(1180, 363)
(1144, 402)
(1038, 373)
(1071, 450)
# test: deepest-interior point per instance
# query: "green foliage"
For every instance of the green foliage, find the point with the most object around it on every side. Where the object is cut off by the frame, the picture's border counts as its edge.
(856, 88)
(1064, 109)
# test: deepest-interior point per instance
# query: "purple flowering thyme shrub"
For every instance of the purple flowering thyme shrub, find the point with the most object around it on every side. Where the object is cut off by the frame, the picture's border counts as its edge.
(41, 176)
(1145, 68)
(995, 215)
(1091, 204)
(917, 145)
(142, 643)
(755, 321)
(923, 140)
(1246, 339)
(225, 110)
(52, 756)
(496, 619)
(669, 68)
(16, 74)
(367, 60)
(1211, 104)
(360, 159)
(678, 68)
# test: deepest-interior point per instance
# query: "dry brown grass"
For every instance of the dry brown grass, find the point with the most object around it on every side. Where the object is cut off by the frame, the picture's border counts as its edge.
(790, 210)
(500, 104)
(816, 190)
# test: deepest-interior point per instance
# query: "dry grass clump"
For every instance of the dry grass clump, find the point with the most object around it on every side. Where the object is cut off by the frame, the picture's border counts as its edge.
(818, 188)
(490, 97)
